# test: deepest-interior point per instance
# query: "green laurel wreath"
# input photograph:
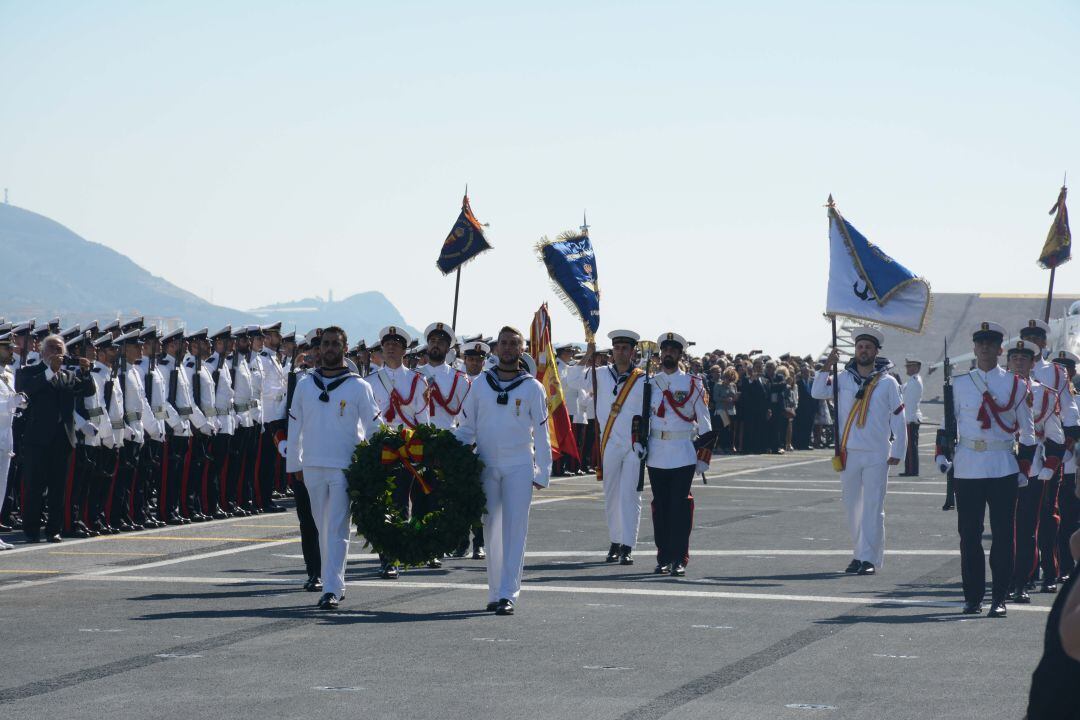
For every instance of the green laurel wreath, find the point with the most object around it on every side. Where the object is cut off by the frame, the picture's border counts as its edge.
(450, 468)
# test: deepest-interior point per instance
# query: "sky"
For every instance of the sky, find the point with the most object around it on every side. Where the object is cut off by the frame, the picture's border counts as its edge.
(259, 152)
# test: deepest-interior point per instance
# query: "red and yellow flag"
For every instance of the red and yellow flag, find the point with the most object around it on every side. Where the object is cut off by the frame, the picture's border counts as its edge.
(547, 372)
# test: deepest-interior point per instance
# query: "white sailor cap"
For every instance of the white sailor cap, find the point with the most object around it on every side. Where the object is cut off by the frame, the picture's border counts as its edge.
(868, 333)
(672, 337)
(5, 328)
(528, 363)
(1023, 346)
(987, 330)
(624, 336)
(200, 334)
(1035, 327)
(104, 341)
(253, 331)
(395, 332)
(272, 327)
(131, 337)
(148, 333)
(223, 333)
(312, 336)
(1064, 357)
(476, 349)
(444, 328)
(565, 346)
(80, 337)
(177, 334)
(132, 324)
(69, 334)
(5, 339)
(23, 328)
(911, 360)
(114, 325)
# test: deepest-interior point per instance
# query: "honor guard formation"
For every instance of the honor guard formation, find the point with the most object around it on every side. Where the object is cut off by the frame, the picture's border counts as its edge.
(114, 428)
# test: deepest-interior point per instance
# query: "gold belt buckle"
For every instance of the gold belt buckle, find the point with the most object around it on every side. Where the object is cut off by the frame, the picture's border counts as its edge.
(980, 445)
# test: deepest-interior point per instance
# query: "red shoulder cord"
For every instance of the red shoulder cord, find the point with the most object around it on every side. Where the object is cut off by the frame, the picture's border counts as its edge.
(435, 396)
(669, 399)
(995, 410)
(1044, 412)
(397, 402)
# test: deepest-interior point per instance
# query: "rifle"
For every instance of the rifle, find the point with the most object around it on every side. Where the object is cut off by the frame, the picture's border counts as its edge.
(646, 414)
(945, 438)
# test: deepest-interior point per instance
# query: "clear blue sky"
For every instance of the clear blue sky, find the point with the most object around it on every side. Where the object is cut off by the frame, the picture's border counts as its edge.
(263, 151)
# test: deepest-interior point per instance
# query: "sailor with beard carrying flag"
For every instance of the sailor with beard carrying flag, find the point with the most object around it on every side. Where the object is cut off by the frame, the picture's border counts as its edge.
(871, 435)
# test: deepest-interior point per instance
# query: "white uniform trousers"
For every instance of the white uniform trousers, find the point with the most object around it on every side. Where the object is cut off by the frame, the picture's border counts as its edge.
(862, 484)
(328, 489)
(509, 493)
(622, 501)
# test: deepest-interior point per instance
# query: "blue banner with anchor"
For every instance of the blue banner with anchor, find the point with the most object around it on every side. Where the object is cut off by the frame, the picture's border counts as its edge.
(571, 265)
(867, 284)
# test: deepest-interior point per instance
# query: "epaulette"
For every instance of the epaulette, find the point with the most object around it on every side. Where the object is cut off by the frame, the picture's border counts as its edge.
(190, 364)
(96, 369)
(264, 353)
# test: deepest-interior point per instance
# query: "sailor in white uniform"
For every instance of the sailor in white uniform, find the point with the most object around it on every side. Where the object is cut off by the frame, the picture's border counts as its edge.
(332, 411)
(870, 412)
(506, 416)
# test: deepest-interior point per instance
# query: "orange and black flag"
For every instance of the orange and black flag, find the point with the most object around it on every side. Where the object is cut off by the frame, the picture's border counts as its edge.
(547, 372)
(1058, 247)
(465, 241)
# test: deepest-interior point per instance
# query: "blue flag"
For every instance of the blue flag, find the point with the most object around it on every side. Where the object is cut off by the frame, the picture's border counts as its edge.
(867, 284)
(571, 265)
(465, 241)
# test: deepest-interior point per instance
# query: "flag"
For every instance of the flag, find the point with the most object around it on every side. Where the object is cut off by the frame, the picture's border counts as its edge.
(867, 284)
(1058, 247)
(547, 372)
(571, 265)
(465, 241)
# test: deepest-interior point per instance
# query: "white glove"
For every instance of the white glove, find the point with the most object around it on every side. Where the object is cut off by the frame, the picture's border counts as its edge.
(283, 448)
(21, 400)
(1046, 474)
(1021, 480)
(943, 464)
(90, 430)
(540, 477)
(702, 466)
(640, 451)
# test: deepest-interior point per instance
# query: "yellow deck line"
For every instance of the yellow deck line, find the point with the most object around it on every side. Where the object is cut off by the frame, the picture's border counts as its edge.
(75, 552)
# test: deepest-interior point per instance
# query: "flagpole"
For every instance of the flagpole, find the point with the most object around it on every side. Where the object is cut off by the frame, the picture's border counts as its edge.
(1049, 295)
(835, 394)
(457, 291)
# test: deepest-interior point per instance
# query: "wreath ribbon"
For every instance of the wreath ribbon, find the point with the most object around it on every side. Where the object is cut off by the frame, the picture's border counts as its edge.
(408, 453)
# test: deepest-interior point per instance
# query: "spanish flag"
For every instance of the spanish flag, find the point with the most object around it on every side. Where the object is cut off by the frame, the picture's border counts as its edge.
(547, 372)
(1058, 247)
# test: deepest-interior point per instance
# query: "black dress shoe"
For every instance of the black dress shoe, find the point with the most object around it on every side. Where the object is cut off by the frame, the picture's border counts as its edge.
(174, 520)
(329, 601)
(274, 508)
(5, 528)
(1021, 597)
(678, 570)
(972, 608)
(389, 571)
(55, 538)
(1048, 587)
(661, 569)
(612, 553)
(219, 514)
(313, 584)
(434, 563)
(997, 609)
(32, 538)
(125, 527)
(626, 556)
(948, 506)
(478, 553)
(492, 606)
(78, 532)
(505, 607)
(867, 568)
(853, 566)
(461, 550)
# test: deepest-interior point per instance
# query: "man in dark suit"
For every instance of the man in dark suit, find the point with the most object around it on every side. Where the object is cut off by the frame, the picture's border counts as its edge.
(49, 432)
(754, 391)
(806, 410)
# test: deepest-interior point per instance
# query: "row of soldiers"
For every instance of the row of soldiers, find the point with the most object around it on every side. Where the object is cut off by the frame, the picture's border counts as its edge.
(177, 428)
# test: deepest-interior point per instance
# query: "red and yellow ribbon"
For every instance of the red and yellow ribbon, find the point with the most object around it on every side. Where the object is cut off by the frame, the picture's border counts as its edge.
(409, 454)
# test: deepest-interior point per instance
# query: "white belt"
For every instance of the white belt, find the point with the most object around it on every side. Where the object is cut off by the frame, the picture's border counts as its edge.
(987, 445)
(669, 435)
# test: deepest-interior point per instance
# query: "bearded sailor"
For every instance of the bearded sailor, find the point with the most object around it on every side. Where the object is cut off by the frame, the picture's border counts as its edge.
(992, 413)
(332, 411)
(505, 416)
(474, 353)
(870, 412)
(679, 408)
(400, 394)
(618, 409)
